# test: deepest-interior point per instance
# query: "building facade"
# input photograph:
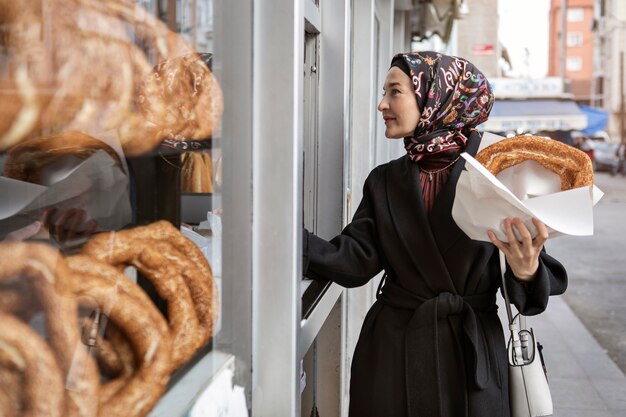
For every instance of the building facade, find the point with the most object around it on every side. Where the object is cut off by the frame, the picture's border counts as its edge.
(609, 62)
(578, 50)
(477, 36)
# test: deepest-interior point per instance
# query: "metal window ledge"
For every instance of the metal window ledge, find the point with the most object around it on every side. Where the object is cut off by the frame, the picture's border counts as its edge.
(313, 321)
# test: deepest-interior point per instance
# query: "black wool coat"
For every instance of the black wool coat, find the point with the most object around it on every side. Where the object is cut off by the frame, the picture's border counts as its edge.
(432, 344)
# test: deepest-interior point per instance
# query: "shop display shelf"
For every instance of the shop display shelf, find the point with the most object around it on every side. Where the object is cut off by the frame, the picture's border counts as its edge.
(182, 395)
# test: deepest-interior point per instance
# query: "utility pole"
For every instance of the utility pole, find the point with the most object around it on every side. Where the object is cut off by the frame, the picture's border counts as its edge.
(563, 41)
(622, 111)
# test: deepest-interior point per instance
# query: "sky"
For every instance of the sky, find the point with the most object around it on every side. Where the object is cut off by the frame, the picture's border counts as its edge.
(524, 32)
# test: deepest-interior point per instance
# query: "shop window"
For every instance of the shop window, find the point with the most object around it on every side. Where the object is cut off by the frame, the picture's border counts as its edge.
(575, 14)
(128, 161)
(310, 129)
(312, 164)
(574, 39)
(574, 63)
(323, 131)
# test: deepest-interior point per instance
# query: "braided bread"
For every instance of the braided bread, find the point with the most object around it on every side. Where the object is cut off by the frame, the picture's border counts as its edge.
(572, 165)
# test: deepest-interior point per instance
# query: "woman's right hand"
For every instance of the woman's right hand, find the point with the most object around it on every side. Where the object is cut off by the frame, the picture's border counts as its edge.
(25, 232)
(521, 255)
(68, 225)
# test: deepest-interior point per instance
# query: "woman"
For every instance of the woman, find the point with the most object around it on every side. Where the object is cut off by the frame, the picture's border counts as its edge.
(432, 343)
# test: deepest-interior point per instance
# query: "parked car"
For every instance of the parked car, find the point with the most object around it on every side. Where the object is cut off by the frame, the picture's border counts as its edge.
(605, 156)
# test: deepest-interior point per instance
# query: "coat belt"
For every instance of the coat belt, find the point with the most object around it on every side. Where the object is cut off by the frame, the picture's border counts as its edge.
(422, 342)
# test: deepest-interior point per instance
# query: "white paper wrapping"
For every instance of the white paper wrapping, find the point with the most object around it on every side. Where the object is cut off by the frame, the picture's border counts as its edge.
(527, 190)
(96, 185)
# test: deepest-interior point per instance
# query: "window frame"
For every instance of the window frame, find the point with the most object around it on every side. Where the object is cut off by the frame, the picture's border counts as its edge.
(575, 14)
(570, 67)
(575, 39)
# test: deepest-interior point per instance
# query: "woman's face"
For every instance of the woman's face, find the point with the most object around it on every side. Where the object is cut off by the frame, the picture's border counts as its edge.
(399, 105)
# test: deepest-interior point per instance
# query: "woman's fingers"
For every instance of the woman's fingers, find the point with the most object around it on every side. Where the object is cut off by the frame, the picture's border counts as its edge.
(518, 236)
(497, 242)
(527, 248)
(60, 225)
(542, 233)
(25, 232)
(514, 244)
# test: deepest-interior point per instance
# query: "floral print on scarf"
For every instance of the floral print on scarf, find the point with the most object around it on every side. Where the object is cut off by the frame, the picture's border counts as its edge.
(453, 96)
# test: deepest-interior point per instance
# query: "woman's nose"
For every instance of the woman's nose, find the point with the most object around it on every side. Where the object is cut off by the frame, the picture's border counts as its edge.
(382, 105)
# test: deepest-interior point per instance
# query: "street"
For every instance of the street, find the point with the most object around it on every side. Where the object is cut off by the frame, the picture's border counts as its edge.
(597, 270)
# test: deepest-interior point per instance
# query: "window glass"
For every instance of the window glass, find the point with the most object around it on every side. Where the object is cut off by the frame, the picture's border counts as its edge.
(574, 63)
(575, 14)
(310, 129)
(110, 146)
(574, 39)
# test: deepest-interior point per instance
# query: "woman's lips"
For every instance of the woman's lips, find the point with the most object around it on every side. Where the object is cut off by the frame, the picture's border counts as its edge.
(388, 119)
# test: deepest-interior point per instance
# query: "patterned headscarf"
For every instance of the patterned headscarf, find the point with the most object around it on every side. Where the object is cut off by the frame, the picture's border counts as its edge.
(453, 96)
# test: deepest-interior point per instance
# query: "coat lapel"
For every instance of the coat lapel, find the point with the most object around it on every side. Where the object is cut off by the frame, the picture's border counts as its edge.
(443, 226)
(408, 215)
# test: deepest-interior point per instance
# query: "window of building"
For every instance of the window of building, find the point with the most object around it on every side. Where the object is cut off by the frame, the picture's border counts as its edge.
(574, 63)
(574, 39)
(575, 14)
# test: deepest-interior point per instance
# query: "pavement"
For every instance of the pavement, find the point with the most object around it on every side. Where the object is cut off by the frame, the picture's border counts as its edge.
(596, 268)
(583, 379)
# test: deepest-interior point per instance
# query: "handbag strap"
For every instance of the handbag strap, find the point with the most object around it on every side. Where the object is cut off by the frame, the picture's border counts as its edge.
(504, 291)
(514, 327)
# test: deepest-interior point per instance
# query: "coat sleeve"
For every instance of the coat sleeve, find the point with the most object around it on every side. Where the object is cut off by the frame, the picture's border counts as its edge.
(532, 298)
(352, 258)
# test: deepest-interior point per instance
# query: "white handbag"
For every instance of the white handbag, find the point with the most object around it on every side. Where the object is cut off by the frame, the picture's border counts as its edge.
(528, 383)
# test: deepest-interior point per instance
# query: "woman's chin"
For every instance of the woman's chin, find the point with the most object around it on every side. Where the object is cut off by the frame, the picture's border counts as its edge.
(393, 135)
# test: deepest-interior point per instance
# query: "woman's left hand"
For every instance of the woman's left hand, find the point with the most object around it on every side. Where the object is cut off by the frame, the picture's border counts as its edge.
(522, 256)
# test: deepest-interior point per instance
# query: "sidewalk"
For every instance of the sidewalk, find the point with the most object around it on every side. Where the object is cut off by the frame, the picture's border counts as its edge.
(584, 381)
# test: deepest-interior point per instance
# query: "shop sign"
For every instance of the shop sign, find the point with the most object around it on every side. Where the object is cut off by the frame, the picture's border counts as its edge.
(483, 50)
(550, 87)
(534, 123)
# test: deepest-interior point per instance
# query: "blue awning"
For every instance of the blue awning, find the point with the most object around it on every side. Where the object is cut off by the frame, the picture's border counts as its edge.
(597, 119)
(534, 116)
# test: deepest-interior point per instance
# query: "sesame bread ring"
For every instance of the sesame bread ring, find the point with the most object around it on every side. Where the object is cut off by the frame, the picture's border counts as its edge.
(111, 348)
(199, 287)
(125, 248)
(24, 71)
(109, 360)
(26, 352)
(7, 406)
(13, 300)
(27, 160)
(196, 172)
(202, 286)
(11, 399)
(48, 274)
(115, 347)
(144, 327)
(185, 89)
(570, 164)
